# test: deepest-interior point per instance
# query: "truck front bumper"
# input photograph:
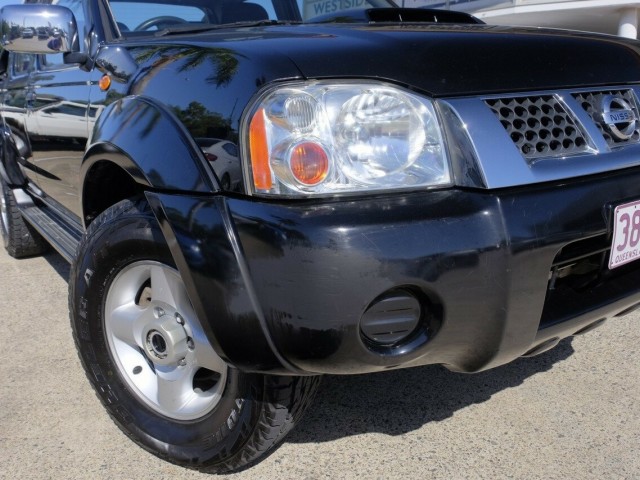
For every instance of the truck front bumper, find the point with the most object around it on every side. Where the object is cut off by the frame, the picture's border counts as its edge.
(285, 287)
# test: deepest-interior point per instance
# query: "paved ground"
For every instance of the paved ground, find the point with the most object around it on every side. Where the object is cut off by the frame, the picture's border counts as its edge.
(572, 413)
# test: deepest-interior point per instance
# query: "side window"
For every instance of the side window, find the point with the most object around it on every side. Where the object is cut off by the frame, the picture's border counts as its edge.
(68, 108)
(22, 64)
(231, 149)
(142, 16)
(55, 60)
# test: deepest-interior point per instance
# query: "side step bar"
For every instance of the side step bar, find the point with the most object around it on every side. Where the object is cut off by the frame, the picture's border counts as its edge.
(60, 233)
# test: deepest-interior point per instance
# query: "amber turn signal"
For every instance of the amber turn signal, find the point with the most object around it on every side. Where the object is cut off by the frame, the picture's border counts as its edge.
(259, 152)
(104, 83)
(309, 163)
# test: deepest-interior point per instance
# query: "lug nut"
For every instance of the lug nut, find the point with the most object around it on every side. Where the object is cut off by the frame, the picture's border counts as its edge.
(182, 362)
(158, 312)
(190, 344)
(179, 319)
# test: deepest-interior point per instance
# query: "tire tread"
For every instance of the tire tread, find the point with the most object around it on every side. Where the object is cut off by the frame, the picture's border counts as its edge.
(286, 400)
(22, 239)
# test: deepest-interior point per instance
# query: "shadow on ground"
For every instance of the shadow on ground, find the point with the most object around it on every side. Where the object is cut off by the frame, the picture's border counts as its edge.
(58, 263)
(402, 401)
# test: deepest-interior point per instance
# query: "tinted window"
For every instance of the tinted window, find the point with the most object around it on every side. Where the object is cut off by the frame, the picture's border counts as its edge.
(67, 109)
(231, 149)
(132, 16)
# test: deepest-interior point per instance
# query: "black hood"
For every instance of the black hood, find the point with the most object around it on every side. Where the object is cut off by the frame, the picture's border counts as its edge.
(445, 60)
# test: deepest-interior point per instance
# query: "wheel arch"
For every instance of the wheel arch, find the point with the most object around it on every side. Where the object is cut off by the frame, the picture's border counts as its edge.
(138, 148)
(109, 178)
(138, 145)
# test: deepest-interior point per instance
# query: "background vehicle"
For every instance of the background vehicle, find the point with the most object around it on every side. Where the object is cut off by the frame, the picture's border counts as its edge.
(409, 195)
(223, 156)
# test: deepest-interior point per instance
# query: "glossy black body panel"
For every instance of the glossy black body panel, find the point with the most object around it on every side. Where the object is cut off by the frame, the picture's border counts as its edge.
(162, 152)
(58, 121)
(479, 262)
(280, 286)
(212, 264)
(203, 83)
(441, 60)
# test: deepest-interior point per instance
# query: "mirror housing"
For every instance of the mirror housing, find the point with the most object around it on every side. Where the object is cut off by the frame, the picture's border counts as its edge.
(38, 28)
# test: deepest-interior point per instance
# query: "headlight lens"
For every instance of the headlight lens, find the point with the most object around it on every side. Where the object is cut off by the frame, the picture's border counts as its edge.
(325, 138)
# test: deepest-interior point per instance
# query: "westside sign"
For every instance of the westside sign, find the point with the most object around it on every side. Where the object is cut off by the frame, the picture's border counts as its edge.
(314, 8)
(625, 246)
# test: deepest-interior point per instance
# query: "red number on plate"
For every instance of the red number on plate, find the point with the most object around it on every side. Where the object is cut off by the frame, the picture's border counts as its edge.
(630, 237)
(635, 232)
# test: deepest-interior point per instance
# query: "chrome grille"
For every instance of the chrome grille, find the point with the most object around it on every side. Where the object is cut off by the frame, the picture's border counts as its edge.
(539, 126)
(591, 102)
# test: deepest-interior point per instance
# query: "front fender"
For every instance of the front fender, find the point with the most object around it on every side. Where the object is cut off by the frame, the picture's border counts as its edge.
(144, 138)
(204, 244)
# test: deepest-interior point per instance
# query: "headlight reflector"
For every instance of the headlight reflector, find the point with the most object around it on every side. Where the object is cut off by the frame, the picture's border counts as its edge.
(324, 138)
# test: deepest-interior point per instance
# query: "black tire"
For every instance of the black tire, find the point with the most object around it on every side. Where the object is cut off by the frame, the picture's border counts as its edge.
(19, 238)
(251, 414)
(225, 182)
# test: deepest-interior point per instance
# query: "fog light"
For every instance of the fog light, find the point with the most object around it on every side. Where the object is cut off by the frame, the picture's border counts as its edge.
(391, 318)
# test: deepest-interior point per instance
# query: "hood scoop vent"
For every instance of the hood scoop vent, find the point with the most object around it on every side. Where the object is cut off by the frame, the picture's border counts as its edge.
(398, 15)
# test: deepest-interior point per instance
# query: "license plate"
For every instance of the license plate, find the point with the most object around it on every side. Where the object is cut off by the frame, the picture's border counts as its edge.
(625, 246)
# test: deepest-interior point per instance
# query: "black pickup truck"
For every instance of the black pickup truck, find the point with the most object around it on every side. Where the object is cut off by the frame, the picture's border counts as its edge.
(255, 193)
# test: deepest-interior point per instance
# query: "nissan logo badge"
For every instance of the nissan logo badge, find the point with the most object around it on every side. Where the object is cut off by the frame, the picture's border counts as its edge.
(618, 116)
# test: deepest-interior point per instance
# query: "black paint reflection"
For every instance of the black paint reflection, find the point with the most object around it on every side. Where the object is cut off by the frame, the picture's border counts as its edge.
(224, 61)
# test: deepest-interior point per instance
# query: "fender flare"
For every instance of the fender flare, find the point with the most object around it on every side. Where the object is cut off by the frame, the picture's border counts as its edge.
(144, 138)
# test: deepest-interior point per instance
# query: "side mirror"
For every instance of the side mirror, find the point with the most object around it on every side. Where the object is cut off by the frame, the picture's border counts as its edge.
(38, 28)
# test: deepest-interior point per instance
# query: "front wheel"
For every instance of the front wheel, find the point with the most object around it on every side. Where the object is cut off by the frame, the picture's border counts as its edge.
(150, 362)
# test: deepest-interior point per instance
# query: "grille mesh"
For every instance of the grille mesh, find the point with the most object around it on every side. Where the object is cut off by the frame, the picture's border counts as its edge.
(539, 126)
(591, 101)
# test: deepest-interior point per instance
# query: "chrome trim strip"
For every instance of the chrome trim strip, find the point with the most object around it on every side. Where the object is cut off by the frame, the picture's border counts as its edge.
(501, 162)
(580, 115)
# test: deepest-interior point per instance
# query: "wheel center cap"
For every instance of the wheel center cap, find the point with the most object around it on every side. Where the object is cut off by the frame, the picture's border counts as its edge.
(156, 344)
(165, 341)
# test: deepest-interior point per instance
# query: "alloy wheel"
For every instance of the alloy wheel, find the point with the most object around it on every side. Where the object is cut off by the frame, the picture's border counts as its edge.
(158, 344)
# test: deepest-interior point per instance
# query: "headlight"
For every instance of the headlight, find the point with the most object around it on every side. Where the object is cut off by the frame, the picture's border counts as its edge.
(325, 138)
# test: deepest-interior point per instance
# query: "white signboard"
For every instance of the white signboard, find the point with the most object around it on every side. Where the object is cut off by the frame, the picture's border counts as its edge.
(315, 8)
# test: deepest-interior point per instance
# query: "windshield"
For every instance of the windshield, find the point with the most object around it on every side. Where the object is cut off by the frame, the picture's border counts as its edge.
(135, 16)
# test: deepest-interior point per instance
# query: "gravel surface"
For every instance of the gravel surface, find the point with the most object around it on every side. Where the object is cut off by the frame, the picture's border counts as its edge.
(569, 413)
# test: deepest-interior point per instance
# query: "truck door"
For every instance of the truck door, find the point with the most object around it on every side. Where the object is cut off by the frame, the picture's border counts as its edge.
(57, 126)
(57, 122)
(15, 98)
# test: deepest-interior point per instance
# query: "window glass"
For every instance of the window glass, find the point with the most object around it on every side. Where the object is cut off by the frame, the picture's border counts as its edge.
(150, 16)
(268, 7)
(231, 149)
(67, 108)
